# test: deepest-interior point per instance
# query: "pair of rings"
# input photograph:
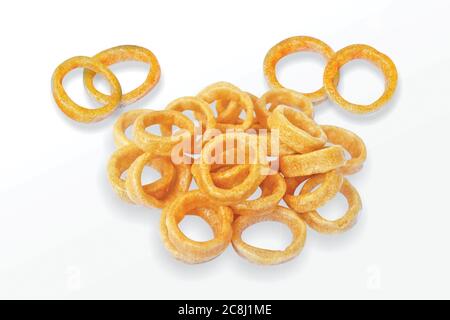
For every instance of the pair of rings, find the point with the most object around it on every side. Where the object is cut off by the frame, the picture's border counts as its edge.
(99, 64)
(335, 60)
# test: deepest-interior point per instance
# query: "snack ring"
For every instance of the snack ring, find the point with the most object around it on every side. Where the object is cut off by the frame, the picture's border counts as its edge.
(138, 193)
(360, 51)
(72, 109)
(308, 200)
(298, 131)
(161, 145)
(322, 225)
(123, 158)
(120, 54)
(206, 250)
(286, 97)
(273, 189)
(291, 45)
(319, 161)
(241, 191)
(122, 123)
(265, 256)
(352, 143)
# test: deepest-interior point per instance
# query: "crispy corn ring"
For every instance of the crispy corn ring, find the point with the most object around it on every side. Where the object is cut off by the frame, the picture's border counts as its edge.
(211, 217)
(286, 97)
(298, 131)
(265, 256)
(124, 121)
(161, 145)
(352, 143)
(228, 178)
(138, 193)
(226, 92)
(241, 191)
(123, 158)
(291, 45)
(322, 225)
(273, 189)
(206, 250)
(319, 161)
(359, 51)
(75, 111)
(307, 200)
(120, 54)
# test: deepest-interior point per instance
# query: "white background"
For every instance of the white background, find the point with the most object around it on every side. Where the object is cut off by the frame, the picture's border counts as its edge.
(64, 233)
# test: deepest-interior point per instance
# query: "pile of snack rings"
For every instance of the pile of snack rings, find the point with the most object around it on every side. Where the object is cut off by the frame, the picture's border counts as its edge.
(317, 156)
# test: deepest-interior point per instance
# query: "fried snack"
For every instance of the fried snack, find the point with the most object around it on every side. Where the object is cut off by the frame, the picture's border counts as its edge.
(121, 125)
(265, 256)
(75, 111)
(308, 200)
(273, 189)
(242, 191)
(286, 97)
(319, 161)
(291, 45)
(226, 92)
(228, 177)
(322, 225)
(352, 143)
(138, 193)
(195, 250)
(123, 158)
(211, 217)
(360, 51)
(120, 54)
(298, 131)
(161, 145)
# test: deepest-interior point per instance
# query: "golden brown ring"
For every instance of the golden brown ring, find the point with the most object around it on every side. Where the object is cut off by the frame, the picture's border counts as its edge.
(330, 184)
(360, 51)
(122, 123)
(265, 256)
(322, 225)
(292, 45)
(72, 109)
(120, 54)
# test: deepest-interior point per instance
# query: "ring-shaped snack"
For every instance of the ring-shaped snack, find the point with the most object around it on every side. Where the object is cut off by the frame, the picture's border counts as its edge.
(210, 216)
(120, 54)
(286, 97)
(122, 123)
(273, 189)
(292, 45)
(352, 143)
(72, 109)
(319, 161)
(123, 158)
(322, 225)
(266, 256)
(162, 145)
(307, 200)
(298, 131)
(257, 171)
(360, 51)
(220, 91)
(139, 195)
(176, 211)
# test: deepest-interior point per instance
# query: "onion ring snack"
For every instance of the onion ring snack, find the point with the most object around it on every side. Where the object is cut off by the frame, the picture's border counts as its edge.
(292, 45)
(265, 256)
(161, 145)
(308, 199)
(72, 109)
(360, 51)
(297, 130)
(322, 225)
(121, 125)
(352, 143)
(319, 161)
(120, 54)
